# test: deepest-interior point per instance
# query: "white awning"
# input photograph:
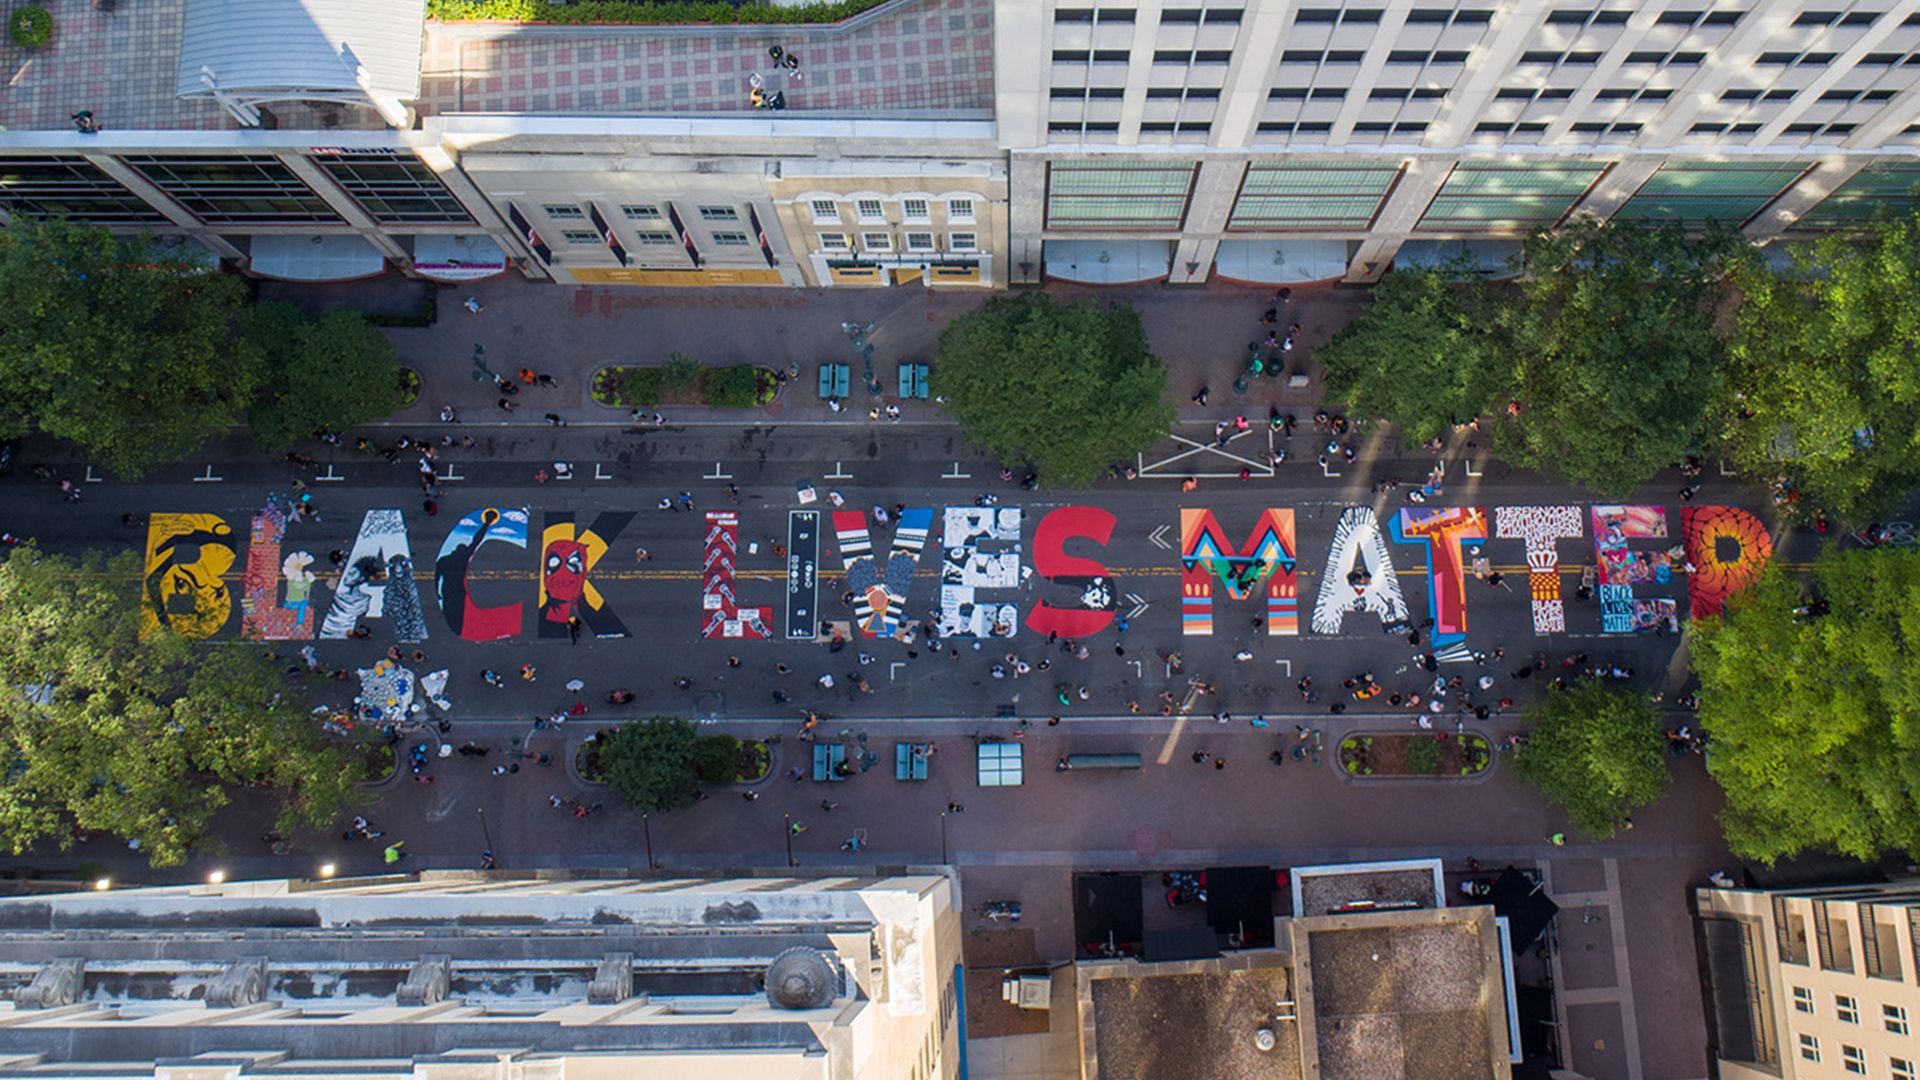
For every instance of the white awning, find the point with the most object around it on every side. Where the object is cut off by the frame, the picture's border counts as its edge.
(1281, 262)
(457, 258)
(315, 258)
(1108, 262)
(249, 52)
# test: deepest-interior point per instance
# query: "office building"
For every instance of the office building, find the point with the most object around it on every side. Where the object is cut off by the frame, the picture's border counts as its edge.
(1815, 982)
(488, 976)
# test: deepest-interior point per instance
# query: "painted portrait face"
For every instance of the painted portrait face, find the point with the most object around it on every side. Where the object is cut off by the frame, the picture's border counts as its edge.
(565, 568)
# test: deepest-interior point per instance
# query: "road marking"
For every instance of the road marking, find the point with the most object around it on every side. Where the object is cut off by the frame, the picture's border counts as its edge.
(1158, 538)
(1286, 668)
(1326, 468)
(893, 670)
(328, 477)
(839, 473)
(600, 471)
(1139, 605)
(1161, 467)
(92, 479)
(1724, 471)
(1471, 471)
(1173, 739)
(209, 478)
(956, 474)
(451, 474)
(1138, 672)
(716, 474)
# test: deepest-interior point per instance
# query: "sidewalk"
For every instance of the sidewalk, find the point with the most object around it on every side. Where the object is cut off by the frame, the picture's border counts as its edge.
(570, 332)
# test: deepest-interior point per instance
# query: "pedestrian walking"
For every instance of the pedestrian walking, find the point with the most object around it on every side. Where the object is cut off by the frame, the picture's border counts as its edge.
(70, 490)
(1687, 493)
(956, 808)
(828, 806)
(393, 854)
(506, 405)
(1200, 397)
(528, 672)
(554, 419)
(797, 828)
(474, 305)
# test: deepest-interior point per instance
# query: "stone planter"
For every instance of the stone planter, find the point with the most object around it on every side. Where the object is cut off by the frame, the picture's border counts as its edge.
(1415, 755)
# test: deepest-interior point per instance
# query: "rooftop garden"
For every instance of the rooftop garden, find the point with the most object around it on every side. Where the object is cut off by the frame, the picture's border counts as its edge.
(645, 12)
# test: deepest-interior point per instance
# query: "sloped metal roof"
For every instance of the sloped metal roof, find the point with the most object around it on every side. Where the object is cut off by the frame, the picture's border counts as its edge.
(289, 46)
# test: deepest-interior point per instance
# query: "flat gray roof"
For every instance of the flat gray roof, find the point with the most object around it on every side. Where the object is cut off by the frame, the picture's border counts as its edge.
(315, 46)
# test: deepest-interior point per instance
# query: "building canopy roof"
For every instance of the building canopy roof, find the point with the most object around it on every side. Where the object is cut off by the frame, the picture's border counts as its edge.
(303, 49)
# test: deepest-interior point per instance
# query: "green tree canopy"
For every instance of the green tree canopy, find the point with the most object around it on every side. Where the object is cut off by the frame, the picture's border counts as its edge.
(139, 737)
(1596, 750)
(1815, 722)
(1419, 356)
(328, 373)
(1610, 350)
(1066, 388)
(1824, 371)
(112, 343)
(651, 763)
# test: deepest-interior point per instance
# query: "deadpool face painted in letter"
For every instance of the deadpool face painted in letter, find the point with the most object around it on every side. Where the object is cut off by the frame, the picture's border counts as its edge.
(565, 567)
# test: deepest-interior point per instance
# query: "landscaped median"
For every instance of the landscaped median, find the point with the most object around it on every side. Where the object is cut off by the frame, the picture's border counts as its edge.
(1414, 756)
(645, 12)
(685, 381)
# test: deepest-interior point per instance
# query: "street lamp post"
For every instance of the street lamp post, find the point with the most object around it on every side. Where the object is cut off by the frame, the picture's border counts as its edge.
(943, 837)
(486, 856)
(787, 820)
(646, 823)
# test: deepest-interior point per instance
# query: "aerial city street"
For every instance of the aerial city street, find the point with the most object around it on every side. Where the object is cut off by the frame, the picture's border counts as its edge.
(570, 527)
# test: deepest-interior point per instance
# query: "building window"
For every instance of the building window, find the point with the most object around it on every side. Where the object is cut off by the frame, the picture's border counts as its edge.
(962, 241)
(236, 190)
(1697, 192)
(639, 212)
(1846, 1009)
(876, 241)
(1803, 1000)
(1853, 1059)
(719, 213)
(70, 187)
(1879, 189)
(1506, 196)
(1901, 1069)
(563, 212)
(393, 187)
(835, 241)
(919, 241)
(730, 238)
(653, 237)
(1087, 195)
(960, 210)
(1316, 196)
(580, 236)
(1810, 1048)
(870, 210)
(915, 210)
(825, 211)
(1895, 1018)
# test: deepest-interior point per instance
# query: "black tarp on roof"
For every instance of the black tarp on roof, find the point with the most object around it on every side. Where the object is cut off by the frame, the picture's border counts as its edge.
(1525, 906)
(1107, 908)
(1240, 900)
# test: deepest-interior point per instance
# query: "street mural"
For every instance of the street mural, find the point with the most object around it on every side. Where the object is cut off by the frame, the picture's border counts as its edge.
(189, 556)
(469, 620)
(568, 555)
(1619, 568)
(1051, 561)
(378, 582)
(267, 614)
(184, 587)
(1268, 558)
(1726, 549)
(1445, 532)
(1542, 528)
(1359, 575)
(982, 552)
(880, 593)
(722, 615)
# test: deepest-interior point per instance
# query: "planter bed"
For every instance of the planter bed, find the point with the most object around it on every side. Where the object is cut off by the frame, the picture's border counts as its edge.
(1438, 755)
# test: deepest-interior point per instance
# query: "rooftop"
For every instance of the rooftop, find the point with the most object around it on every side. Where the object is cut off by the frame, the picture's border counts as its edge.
(907, 57)
(1197, 1026)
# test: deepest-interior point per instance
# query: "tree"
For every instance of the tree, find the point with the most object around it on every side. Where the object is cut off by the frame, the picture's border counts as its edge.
(1824, 370)
(140, 737)
(1610, 351)
(716, 758)
(651, 763)
(1815, 720)
(322, 374)
(1598, 751)
(108, 342)
(1066, 388)
(1419, 356)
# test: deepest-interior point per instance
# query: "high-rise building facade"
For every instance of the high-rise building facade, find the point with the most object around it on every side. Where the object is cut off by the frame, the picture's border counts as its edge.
(1279, 141)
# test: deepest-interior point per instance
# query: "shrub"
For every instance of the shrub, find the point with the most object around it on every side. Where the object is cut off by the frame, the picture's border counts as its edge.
(30, 27)
(1423, 756)
(680, 373)
(663, 12)
(716, 758)
(650, 763)
(628, 386)
(737, 387)
(755, 759)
